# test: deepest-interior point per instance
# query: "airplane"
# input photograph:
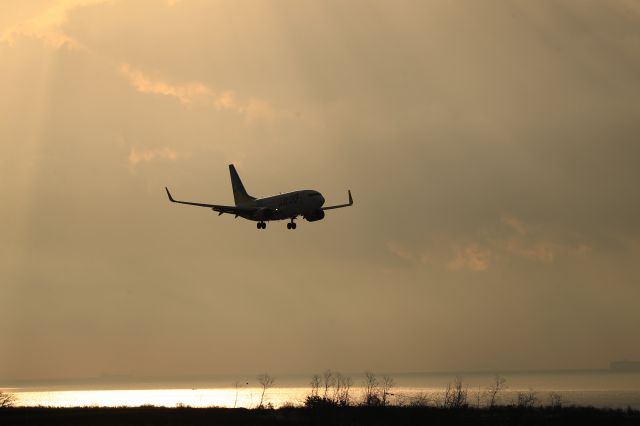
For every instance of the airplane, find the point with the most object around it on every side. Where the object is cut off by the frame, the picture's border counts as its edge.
(306, 203)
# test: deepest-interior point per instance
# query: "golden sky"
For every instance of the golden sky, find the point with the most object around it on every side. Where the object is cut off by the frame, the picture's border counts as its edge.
(492, 149)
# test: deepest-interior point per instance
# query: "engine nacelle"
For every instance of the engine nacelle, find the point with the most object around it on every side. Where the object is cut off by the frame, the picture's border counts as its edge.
(316, 215)
(264, 213)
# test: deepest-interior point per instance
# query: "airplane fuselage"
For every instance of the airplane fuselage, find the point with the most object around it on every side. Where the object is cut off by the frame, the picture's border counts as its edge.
(307, 203)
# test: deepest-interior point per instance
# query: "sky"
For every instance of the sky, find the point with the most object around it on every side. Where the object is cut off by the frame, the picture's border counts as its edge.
(491, 148)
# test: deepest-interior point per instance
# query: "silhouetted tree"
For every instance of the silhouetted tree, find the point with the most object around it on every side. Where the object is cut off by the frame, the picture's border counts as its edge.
(385, 388)
(498, 385)
(526, 399)
(266, 381)
(337, 390)
(315, 385)
(419, 400)
(237, 385)
(313, 400)
(555, 399)
(371, 389)
(344, 385)
(455, 396)
(328, 382)
(7, 399)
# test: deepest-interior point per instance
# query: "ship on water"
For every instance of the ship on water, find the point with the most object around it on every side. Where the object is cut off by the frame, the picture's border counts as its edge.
(625, 365)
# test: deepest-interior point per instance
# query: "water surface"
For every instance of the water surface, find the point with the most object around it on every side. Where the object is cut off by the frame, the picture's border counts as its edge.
(585, 388)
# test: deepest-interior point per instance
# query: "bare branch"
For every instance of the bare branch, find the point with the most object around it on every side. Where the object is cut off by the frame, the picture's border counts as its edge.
(371, 389)
(328, 381)
(7, 399)
(315, 385)
(266, 381)
(385, 388)
(526, 399)
(455, 396)
(498, 385)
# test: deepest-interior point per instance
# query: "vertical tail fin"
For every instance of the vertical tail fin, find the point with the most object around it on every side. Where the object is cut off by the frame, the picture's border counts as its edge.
(239, 193)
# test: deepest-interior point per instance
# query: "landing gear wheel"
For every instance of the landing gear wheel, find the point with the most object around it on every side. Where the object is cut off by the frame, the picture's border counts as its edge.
(259, 225)
(293, 225)
(288, 226)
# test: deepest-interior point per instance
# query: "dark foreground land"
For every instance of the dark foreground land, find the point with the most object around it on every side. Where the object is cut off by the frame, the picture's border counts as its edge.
(326, 416)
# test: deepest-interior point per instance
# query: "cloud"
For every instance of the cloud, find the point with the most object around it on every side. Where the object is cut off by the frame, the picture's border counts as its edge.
(400, 251)
(191, 92)
(47, 25)
(185, 93)
(522, 241)
(515, 224)
(536, 244)
(147, 155)
(542, 251)
(471, 257)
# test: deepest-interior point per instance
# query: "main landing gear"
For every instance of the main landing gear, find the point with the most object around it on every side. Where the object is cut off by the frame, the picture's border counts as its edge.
(291, 225)
(261, 225)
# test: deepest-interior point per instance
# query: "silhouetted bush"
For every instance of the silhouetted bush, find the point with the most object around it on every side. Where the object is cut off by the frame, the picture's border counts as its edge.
(555, 400)
(371, 390)
(420, 400)
(372, 400)
(318, 402)
(455, 396)
(498, 385)
(336, 390)
(526, 399)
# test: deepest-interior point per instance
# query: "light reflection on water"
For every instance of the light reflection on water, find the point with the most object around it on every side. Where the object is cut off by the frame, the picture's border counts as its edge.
(227, 397)
(278, 396)
(596, 389)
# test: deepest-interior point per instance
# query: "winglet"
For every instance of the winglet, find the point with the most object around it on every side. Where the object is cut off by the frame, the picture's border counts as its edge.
(339, 206)
(169, 195)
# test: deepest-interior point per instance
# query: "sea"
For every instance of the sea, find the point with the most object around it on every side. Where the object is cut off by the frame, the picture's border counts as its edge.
(597, 388)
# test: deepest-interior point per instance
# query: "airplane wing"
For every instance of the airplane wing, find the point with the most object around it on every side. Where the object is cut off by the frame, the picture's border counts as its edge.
(215, 207)
(341, 205)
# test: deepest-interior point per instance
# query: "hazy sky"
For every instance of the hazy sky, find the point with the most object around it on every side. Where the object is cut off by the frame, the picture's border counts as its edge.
(492, 148)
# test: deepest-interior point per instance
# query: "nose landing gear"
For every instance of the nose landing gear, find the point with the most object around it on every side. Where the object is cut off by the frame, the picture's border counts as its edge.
(291, 225)
(261, 225)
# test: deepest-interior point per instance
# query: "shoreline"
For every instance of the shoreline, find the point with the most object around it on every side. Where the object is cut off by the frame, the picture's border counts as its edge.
(352, 415)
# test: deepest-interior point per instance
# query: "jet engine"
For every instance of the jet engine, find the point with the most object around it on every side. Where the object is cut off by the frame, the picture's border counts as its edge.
(316, 215)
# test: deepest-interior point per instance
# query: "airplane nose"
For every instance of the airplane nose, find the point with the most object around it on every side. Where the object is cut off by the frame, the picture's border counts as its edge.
(321, 200)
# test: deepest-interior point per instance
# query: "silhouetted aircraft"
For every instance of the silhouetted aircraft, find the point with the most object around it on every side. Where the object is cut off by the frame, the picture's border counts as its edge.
(306, 203)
